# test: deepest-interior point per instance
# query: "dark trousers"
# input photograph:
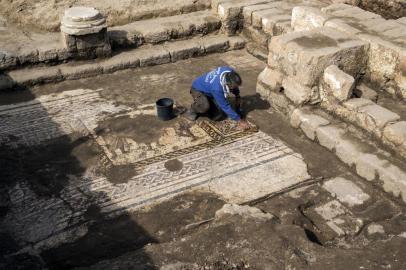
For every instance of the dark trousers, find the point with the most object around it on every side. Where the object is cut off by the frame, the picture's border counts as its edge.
(203, 104)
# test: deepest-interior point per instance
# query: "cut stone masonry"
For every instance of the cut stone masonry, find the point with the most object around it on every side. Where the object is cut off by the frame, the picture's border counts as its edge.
(329, 60)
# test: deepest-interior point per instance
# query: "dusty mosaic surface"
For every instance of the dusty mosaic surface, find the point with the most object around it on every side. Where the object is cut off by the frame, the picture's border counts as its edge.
(212, 156)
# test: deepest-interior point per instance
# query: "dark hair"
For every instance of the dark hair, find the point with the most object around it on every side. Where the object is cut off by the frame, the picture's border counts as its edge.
(233, 78)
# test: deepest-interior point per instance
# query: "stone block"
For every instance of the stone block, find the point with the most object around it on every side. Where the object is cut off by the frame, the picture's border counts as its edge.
(329, 136)
(80, 71)
(379, 25)
(257, 16)
(214, 44)
(27, 56)
(310, 123)
(257, 51)
(395, 133)
(397, 32)
(296, 118)
(262, 90)
(331, 210)
(230, 13)
(121, 61)
(363, 91)
(394, 180)
(348, 151)
(236, 43)
(355, 12)
(256, 35)
(335, 7)
(184, 49)
(276, 24)
(346, 191)
(355, 104)
(272, 78)
(155, 55)
(339, 84)
(375, 116)
(296, 92)
(343, 26)
(248, 10)
(307, 18)
(30, 77)
(369, 165)
(306, 55)
(386, 62)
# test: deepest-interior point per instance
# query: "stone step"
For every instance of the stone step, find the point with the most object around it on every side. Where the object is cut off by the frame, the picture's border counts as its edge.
(163, 29)
(273, 16)
(257, 51)
(20, 50)
(146, 55)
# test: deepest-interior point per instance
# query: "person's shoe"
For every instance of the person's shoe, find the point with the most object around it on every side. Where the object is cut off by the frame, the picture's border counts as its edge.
(191, 115)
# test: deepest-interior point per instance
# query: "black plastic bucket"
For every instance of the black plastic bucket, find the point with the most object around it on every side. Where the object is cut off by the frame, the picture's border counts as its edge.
(164, 107)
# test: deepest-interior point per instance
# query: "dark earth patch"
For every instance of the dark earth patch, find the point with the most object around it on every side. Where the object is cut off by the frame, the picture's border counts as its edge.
(173, 165)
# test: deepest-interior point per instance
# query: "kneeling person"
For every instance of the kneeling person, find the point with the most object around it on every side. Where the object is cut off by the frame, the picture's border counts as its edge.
(210, 92)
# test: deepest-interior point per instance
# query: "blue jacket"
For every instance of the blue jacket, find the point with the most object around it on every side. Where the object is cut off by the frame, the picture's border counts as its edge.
(212, 84)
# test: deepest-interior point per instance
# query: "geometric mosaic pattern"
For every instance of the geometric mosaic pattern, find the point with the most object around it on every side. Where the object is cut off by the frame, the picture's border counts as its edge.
(236, 165)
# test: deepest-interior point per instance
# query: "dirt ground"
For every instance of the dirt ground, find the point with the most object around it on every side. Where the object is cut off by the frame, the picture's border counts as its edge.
(46, 15)
(185, 232)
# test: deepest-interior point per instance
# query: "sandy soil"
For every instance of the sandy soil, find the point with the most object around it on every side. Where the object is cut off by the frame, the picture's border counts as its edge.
(46, 14)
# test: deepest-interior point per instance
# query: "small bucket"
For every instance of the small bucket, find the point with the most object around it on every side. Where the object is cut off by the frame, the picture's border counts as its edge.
(164, 107)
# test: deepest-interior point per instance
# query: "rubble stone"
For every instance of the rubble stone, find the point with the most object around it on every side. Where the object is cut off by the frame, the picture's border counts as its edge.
(307, 18)
(368, 166)
(271, 78)
(396, 133)
(310, 123)
(329, 136)
(375, 116)
(339, 83)
(244, 211)
(296, 92)
(347, 151)
(346, 191)
(375, 228)
(355, 103)
(393, 180)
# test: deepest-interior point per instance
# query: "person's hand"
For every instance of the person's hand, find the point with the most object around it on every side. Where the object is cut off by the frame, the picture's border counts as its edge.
(243, 125)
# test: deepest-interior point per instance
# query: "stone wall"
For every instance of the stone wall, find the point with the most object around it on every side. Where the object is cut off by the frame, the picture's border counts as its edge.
(389, 9)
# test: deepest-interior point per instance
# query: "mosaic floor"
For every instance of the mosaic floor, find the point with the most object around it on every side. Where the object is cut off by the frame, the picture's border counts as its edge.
(238, 166)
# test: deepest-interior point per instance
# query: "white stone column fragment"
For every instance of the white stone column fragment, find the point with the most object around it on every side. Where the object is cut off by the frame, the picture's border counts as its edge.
(84, 30)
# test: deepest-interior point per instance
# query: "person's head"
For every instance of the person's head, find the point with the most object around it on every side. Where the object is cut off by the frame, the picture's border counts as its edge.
(233, 80)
